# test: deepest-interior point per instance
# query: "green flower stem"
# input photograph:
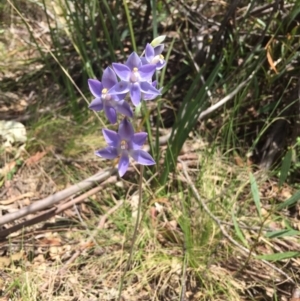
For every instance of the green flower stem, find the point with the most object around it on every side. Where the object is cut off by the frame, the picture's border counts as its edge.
(135, 232)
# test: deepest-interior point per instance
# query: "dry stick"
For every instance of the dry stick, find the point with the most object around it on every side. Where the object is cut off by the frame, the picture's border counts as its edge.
(50, 213)
(57, 197)
(82, 197)
(37, 219)
(226, 98)
(219, 223)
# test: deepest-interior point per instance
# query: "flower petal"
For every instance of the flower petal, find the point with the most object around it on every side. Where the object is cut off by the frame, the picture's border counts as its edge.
(146, 72)
(111, 114)
(96, 87)
(124, 108)
(142, 157)
(133, 61)
(122, 71)
(149, 89)
(125, 130)
(146, 96)
(144, 61)
(118, 97)
(149, 53)
(123, 164)
(154, 83)
(111, 137)
(120, 88)
(109, 78)
(138, 140)
(135, 93)
(159, 49)
(96, 104)
(107, 153)
(160, 64)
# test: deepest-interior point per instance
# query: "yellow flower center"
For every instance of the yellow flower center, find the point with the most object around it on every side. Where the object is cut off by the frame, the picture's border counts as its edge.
(134, 75)
(106, 96)
(157, 58)
(124, 145)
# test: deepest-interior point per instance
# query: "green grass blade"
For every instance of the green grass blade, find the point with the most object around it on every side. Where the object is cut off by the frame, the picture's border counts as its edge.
(290, 202)
(282, 233)
(130, 25)
(238, 231)
(154, 18)
(107, 36)
(285, 167)
(187, 118)
(279, 256)
(117, 41)
(159, 103)
(255, 194)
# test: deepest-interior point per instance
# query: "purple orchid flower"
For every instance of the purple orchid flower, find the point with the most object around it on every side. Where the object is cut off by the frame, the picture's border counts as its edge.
(153, 56)
(111, 104)
(125, 143)
(135, 78)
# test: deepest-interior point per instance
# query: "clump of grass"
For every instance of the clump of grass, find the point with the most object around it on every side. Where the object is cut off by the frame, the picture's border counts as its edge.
(73, 141)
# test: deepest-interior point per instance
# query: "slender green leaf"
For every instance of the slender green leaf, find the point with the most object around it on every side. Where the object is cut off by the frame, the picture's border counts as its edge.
(279, 256)
(238, 231)
(290, 202)
(117, 40)
(255, 194)
(285, 167)
(129, 22)
(154, 17)
(282, 233)
(294, 13)
(107, 35)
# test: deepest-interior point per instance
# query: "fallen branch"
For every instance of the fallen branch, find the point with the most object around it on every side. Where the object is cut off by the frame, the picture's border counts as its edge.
(48, 214)
(57, 197)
